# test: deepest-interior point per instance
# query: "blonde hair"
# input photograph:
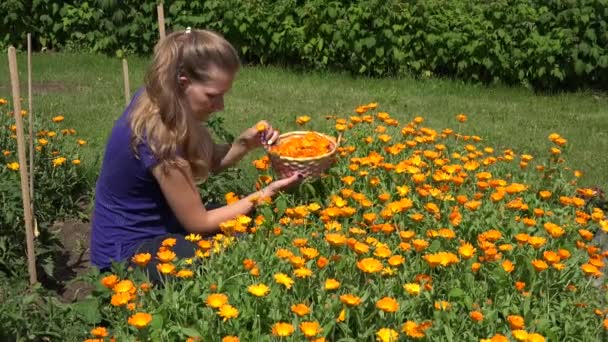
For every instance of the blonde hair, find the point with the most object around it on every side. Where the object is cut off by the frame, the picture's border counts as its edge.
(161, 117)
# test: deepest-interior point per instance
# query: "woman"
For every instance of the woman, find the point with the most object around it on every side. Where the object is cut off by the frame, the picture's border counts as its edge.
(159, 149)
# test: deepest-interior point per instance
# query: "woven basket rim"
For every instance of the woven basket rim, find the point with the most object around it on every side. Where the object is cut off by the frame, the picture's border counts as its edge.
(323, 156)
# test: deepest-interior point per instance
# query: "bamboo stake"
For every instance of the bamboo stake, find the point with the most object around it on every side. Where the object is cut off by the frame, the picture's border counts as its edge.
(27, 212)
(161, 20)
(125, 77)
(31, 128)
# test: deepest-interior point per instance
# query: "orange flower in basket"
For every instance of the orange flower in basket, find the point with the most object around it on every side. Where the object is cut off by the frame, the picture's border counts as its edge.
(304, 146)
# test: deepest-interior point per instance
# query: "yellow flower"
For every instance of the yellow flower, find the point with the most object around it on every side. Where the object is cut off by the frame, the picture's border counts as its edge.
(76, 162)
(412, 288)
(59, 161)
(310, 329)
(466, 251)
(303, 272)
(193, 237)
(140, 320)
(284, 280)
(332, 284)
(300, 309)
(81, 142)
(520, 335)
(282, 329)
(184, 273)
(230, 339)
(461, 118)
(301, 120)
(124, 286)
(110, 281)
(341, 316)
(228, 311)
(165, 268)
(216, 300)
(13, 166)
(258, 290)
(387, 304)
(414, 330)
(534, 337)
(387, 335)
(58, 118)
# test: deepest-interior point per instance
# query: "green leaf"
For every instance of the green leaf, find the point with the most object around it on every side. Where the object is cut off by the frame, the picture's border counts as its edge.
(456, 293)
(190, 332)
(88, 310)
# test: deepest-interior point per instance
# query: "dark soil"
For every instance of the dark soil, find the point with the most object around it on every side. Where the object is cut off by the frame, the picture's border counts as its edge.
(72, 261)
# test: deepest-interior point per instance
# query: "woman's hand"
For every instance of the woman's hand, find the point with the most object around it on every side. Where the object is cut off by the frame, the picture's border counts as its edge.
(281, 184)
(259, 135)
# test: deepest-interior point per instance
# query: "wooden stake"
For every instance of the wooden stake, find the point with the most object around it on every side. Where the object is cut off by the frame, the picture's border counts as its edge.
(161, 20)
(27, 211)
(30, 113)
(125, 77)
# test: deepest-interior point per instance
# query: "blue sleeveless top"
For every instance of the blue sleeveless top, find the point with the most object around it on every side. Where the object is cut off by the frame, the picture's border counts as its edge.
(129, 205)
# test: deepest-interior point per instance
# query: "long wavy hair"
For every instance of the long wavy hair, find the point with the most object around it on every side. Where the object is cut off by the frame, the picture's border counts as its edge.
(161, 115)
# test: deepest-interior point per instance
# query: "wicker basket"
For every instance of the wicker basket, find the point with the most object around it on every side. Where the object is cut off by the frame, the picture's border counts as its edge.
(308, 167)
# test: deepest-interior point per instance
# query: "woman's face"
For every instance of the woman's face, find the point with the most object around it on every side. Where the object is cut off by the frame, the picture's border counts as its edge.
(206, 98)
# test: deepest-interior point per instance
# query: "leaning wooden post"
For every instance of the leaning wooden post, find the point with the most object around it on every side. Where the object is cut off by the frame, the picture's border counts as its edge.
(125, 77)
(30, 113)
(27, 212)
(161, 20)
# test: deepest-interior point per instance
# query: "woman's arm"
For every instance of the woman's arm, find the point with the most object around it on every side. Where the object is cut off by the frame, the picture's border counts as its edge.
(226, 155)
(177, 185)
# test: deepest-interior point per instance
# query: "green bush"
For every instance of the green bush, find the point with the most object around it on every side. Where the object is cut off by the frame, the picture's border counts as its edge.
(59, 182)
(545, 44)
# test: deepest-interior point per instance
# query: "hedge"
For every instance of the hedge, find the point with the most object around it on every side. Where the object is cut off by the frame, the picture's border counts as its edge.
(548, 44)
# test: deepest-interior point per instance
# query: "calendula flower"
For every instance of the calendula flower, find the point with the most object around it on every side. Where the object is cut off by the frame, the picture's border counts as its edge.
(387, 304)
(166, 256)
(227, 312)
(412, 288)
(477, 316)
(303, 272)
(310, 329)
(59, 161)
(99, 332)
(141, 259)
(387, 335)
(216, 300)
(284, 280)
(300, 309)
(515, 322)
(165, 268)
(58, 118)
(258, 290)
(332, 284)
(120, 299)
(282, 329)
(350, 300)
(230, 339)
(301, 120)
(413, 330)
(140, 320)
(185, 273)
(370, 265)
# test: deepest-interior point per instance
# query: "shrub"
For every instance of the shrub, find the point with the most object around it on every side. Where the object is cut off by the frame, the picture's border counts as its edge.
(547, 45)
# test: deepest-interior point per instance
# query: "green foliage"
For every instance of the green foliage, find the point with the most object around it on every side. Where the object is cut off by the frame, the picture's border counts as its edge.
(30, 314)
(59, 183)
(547, 45)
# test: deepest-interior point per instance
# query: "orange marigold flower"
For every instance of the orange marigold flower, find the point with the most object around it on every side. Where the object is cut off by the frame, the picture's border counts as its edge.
(477, 316)
(387, 304)
(350, 300)
(216, 300)
(515, 322)
(300, 309)
(370, 265)
(140, 320)
(282, 329)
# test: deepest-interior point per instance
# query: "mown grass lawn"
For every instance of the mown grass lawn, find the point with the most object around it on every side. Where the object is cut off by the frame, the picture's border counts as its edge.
(88, 91)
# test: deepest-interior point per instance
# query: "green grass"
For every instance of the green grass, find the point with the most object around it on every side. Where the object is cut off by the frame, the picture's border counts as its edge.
(88, 91)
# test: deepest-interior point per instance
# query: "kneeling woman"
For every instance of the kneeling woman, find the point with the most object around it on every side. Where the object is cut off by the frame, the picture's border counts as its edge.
(159, 148)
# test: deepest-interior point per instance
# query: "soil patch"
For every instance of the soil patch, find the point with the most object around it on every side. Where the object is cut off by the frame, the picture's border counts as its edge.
(72, 260)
